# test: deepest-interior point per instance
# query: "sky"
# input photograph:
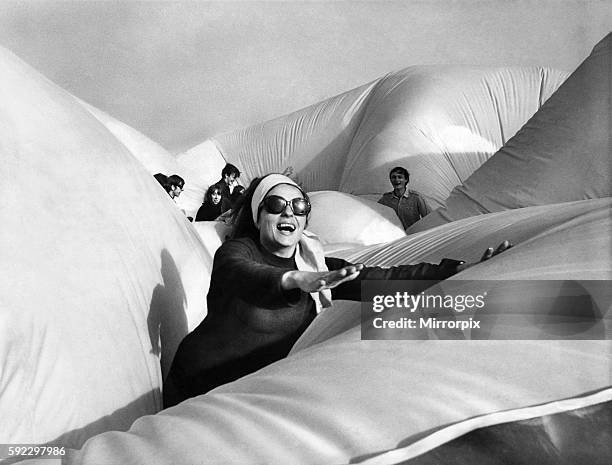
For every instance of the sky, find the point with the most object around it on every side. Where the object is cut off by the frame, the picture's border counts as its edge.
(181, 72)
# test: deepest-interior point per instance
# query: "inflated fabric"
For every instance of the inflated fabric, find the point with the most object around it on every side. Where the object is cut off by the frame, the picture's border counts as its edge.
(356, 221)
(440, 122)
(97, 262)
(200, 167)
(562, 153)
(212, 234)
(340, 399)
(288, 141)
(101, 265)
(153, 156)
(577, 233)
(577, 430)
(314, 141)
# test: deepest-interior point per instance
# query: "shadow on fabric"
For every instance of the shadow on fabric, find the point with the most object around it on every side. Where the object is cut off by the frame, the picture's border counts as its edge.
(167, 320)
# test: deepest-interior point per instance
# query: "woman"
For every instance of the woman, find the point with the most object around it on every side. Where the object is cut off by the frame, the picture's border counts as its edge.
(214, 205)
(268, 283)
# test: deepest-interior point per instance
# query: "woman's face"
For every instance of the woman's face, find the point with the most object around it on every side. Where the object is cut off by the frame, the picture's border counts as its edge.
(215, 196)
(279, 233)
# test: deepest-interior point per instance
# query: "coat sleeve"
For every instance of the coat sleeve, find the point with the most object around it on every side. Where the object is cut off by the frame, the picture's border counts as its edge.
(236, 272)
(425, 272)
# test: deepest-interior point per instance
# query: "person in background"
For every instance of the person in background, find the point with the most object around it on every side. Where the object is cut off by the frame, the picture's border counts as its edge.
(227, 216)
(268, 283)
(174, 185)
(236, 194)
(229, 180)
(214, 205)
(162, 179)
(409, 206)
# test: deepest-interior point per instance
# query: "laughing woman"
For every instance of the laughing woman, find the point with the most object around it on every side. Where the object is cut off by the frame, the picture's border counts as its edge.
(268, 283)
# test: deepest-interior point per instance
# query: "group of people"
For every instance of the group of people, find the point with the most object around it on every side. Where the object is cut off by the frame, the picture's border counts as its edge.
(219, 199)
(222, 196)
(268, 283)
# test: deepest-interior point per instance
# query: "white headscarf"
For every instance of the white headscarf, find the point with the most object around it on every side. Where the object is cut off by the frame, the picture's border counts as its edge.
(309, 254)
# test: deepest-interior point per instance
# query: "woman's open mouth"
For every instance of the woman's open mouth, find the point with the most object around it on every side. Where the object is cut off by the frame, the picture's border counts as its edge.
(286, 227)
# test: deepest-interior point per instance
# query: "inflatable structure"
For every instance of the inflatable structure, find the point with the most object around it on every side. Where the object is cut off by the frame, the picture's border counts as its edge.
(561, 154)
(525, 389)
(103, 273)
(440, 122)
(153, 156)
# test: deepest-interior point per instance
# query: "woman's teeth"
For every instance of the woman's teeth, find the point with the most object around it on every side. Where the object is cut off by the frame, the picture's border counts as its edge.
(285, 227)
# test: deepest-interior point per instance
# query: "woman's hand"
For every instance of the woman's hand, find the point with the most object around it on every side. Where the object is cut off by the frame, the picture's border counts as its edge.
(315, 281)
(289, 172)
(490, 252)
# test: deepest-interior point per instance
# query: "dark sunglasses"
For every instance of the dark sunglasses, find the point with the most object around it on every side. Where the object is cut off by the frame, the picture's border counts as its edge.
(275, 205)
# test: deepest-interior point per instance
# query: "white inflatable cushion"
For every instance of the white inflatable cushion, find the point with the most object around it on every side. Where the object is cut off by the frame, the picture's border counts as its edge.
(440, 122)
(98, 262)
(562, 153)
(339, 218)
(340, 399)
(153, 156)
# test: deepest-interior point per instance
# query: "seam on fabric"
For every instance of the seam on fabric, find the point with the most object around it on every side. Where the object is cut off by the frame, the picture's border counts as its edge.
(496, 109)
(541, 91)
(454, 431)
(215, 143)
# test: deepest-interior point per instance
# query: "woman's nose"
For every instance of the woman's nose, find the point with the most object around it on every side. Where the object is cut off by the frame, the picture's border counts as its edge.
(287, 211)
